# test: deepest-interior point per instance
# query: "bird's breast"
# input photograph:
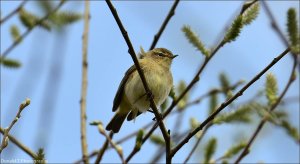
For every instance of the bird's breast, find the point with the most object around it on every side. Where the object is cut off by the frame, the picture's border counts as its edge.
(160, 83)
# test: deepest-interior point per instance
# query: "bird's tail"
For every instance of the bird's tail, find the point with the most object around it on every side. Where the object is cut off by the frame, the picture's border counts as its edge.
(116, 122)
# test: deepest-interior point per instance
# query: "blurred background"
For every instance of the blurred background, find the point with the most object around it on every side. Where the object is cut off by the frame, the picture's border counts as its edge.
(50, 76)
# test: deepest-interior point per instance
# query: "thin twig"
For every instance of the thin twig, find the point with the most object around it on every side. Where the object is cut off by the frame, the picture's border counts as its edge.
(25, 34)
(164, 24)
(13, 12)
(197, 142)
(85, 35)
(109, 139)
(103, 149)
(31, 153)
(265, 119)
(141, 74)
(5, 139)
(226, 103)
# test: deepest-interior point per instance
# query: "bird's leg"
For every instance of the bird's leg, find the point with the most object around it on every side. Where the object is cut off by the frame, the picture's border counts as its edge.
(149, 110)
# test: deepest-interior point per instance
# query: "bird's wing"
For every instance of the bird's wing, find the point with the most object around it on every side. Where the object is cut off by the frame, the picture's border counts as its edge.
(120, 92)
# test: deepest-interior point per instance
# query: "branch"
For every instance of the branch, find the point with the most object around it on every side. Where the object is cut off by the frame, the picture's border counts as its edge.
(103, 149)
(13, 12)
(20, 145)
(4, 142)
(265, 119)
(25, 34)
(85, 35)
(164, 24)
(140, 71)
(225, 104)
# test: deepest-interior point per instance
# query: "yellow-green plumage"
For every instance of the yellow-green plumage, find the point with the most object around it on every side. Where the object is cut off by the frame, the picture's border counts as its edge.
(131, 96)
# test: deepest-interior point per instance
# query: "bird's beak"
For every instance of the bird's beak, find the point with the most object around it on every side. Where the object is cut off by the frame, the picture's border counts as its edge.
(174, 56)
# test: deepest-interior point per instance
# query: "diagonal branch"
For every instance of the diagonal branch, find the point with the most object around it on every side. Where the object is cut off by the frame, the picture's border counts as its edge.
(138, 67)
(84, 146)
(164, 24)
(265, 119)
(225, 104)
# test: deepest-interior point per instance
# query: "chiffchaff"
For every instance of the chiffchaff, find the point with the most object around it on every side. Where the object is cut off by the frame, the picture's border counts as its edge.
(131, 96)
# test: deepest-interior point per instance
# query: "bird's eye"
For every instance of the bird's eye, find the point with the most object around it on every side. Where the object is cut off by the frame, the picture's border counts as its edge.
(160, 54)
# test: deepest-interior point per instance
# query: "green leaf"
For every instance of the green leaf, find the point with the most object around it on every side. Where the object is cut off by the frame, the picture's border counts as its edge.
(172, 93)
(234, 30)
(194, 40)
(213, 103)
(292, 26)
(194, 124)
(225, 162)
(242, 114)
(65, 18)
(250, 13)
(139, 139)
(158, 140)
(15, 33)
(225, 83)
(30, 20)
(235, 149)
(40, 157)
(291, 131)
(210, 149)
(10, 63)
(271, 88)
(164, 106)
(182, 103)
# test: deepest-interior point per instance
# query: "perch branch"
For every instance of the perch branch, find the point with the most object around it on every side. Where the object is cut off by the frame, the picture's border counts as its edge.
(140, 71)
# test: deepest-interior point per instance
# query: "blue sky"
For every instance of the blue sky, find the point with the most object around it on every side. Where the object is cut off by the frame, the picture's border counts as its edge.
(51, 76)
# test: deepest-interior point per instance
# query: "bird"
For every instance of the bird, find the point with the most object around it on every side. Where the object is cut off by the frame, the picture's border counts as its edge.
(131, 98)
